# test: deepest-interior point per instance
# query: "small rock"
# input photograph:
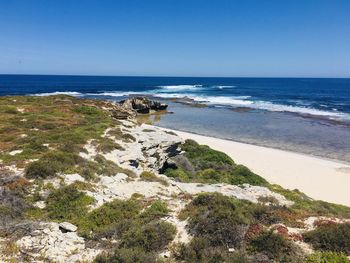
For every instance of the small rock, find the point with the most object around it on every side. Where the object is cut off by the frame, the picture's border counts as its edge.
(68, 227)
(40, 204)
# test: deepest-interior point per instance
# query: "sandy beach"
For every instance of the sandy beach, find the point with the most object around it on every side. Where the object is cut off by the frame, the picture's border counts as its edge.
(318, 178)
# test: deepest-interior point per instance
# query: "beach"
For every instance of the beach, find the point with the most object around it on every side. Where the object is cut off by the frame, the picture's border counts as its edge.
(319, 178)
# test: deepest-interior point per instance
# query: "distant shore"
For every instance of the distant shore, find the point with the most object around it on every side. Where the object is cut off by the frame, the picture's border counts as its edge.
(319, 178)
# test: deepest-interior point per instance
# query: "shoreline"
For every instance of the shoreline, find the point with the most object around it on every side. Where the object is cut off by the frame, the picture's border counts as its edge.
(319, 178)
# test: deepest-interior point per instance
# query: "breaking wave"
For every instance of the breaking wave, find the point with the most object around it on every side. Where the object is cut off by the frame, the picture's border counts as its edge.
(70, 93)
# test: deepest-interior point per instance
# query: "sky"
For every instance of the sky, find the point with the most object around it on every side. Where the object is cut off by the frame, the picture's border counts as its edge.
(228, 38)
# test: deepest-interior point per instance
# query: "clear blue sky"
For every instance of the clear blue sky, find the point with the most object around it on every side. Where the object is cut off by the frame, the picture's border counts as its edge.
(176, 37)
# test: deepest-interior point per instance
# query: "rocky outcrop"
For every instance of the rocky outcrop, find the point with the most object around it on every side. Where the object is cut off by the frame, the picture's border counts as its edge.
(143, 105)
(50, 242)
(151, 148)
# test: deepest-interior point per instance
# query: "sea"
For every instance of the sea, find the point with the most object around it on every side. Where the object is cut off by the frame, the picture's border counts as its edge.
(305, 115)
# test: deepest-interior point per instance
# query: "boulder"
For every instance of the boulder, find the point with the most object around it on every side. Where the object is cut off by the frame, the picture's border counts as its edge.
(142, 105)
(67, 227)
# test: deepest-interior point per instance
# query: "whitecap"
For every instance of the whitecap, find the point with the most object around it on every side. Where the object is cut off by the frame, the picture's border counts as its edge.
(181, 87)
(71, 93)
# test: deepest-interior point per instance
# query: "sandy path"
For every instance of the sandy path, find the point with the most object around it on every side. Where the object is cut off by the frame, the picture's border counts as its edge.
(319, 178)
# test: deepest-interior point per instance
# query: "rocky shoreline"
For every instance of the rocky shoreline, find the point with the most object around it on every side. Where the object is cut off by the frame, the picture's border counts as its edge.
(137, 163)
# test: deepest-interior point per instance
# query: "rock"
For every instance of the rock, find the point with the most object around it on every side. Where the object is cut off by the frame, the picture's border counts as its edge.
(71, 178)
(142, 105)
(67, 227)
(47, 243)
(178, 161)
(40, 204)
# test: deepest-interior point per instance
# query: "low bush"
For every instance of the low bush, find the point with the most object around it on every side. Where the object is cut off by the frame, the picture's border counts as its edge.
(199, 250)
(276, 247)
(155, 211)
(68, 204)
(52, 163)
(107, 145)
(330, 238)
(111, 216)
(127, 255)
(306, 206)
(38, 169)
(219, 219)
(203, 164)
(151, 177)
(327, 257)
(153, 236)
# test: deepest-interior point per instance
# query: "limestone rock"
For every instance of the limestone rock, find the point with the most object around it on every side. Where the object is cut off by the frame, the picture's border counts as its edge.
(143, 105)
(67, 227)
(48, 243)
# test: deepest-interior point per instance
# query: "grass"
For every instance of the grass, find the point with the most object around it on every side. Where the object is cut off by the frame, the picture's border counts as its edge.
(305, 206)
(209, 166)
(151, 177)
(107, 145)
(325, 257)
(71, 124)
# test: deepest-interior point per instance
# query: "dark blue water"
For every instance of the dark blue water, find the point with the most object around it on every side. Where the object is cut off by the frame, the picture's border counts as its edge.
(321, 97)
(308, 115)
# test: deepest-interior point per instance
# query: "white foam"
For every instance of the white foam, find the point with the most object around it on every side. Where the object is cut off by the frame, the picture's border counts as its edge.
(243, 101)
(71, 93)
(225, 87)
(181, 87)
(116, 93)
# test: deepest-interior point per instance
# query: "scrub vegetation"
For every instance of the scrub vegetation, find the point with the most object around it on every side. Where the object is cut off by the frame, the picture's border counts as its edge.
(205, 165)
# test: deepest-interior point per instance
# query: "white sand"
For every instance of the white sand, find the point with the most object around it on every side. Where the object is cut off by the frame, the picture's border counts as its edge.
(318, 178)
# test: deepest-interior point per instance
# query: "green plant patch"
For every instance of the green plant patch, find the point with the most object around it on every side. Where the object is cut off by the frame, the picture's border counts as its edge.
(127, 255)
(153, 236)
(276, 247)
(335, 237)
(211, 166)
(151, 177)
(67, 204)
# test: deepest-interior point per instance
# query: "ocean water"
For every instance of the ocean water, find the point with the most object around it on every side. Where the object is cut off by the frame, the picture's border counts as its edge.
(308, 115)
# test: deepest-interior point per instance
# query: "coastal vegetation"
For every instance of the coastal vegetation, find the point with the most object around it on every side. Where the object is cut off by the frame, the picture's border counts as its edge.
(45, 140)
(202, 164)
(330, 237)
(219, 222)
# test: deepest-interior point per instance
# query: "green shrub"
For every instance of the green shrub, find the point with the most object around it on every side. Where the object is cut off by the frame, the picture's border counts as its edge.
(151, 177)
(157, 210)
(154, 236)
(68, 204)
(109, 168)
(112, 214)
(306, 206)
(127, 255)
(220, 219)
(107, 145)
(38, 169)
(52, 163)
(199, 250)
(203, 164)
(331, 237)
(276, 247)
(327, 257)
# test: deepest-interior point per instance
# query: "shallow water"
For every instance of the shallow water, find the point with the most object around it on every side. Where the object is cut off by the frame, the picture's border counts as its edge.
(272, 129)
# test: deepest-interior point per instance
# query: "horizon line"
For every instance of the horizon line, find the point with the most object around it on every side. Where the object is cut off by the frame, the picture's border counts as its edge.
(167, 76)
